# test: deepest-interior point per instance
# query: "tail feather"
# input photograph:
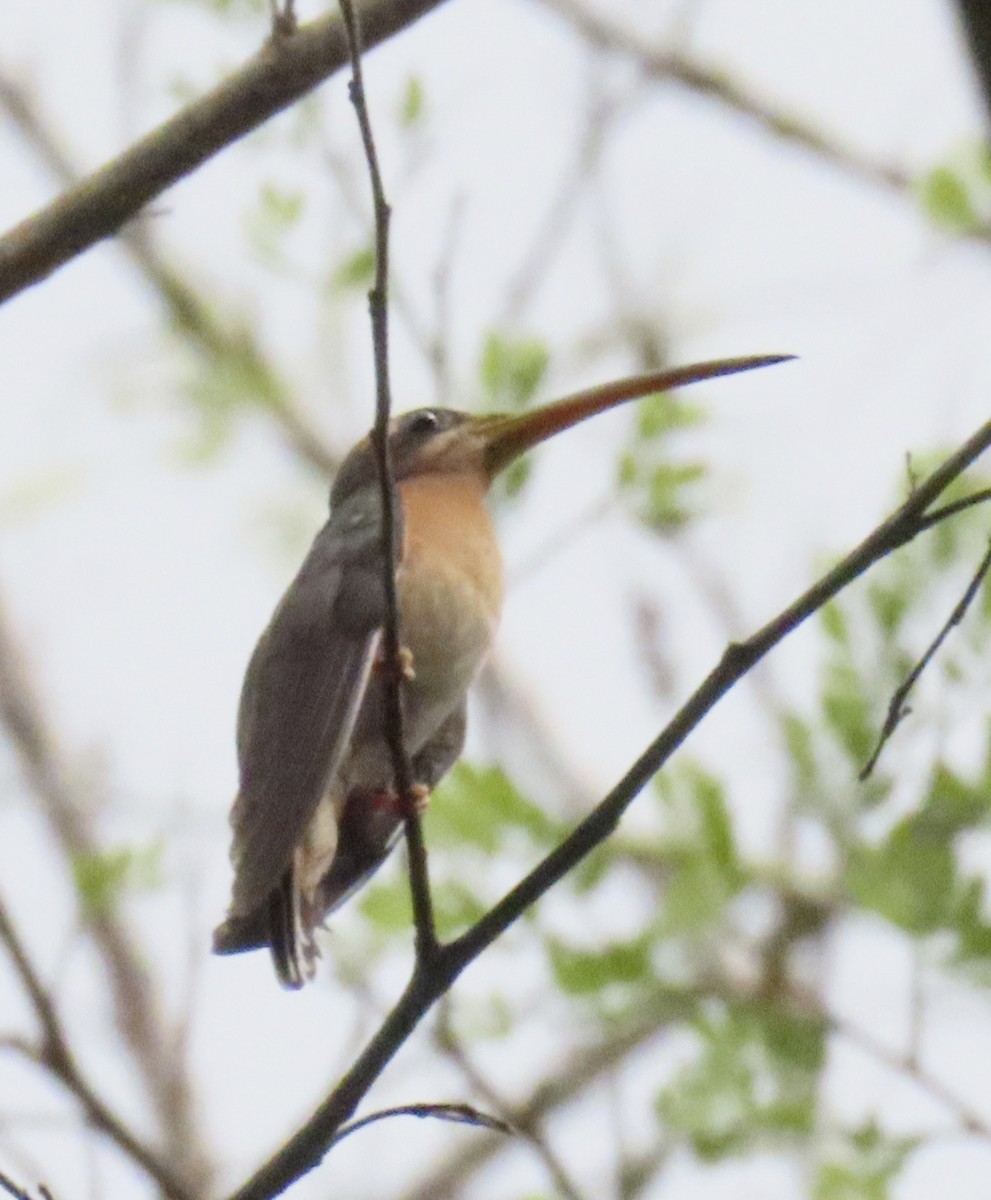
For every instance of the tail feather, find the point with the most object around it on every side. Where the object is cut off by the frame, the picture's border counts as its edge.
(290, 938)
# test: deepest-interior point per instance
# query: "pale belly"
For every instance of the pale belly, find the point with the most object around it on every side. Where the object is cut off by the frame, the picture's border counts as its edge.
(448, 617)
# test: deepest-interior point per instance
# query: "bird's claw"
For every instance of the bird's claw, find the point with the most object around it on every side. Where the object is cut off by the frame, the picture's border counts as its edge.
(404, 663)
(419, 793)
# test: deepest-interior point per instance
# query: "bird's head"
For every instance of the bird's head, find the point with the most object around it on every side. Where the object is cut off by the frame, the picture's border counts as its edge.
(442, 440)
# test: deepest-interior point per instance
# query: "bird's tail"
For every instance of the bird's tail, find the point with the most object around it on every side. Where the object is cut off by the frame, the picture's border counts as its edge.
(290, 934)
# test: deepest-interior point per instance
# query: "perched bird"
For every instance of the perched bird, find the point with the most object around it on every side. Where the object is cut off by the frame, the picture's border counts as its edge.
(317, 812)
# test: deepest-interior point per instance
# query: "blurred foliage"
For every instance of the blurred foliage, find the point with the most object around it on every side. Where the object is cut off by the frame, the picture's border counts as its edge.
(752, 1074)
(102, 880)
(862, 1165)
(510, 372)
(957, 195)
(660, 487)
(412, 106)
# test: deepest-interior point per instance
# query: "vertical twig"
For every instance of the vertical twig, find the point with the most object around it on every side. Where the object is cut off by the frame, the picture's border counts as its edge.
(426, 937)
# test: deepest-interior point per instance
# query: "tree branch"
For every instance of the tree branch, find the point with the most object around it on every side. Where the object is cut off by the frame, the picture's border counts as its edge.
(432, 978)
(285, 69)
(897, 709)
(56, 1056)
(149, 1041)
(672, 65)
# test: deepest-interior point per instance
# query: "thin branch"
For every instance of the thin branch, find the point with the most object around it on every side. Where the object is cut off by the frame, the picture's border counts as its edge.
(150, 1042)
(284, 70)
(459, 1114)
(898, 710)
(909, 1066)
(673, 66)
(57, 1057)
(378, 304)
(19, 1193)
(432, 978)
(561, 1086)
(958, 506)
(452, 1047)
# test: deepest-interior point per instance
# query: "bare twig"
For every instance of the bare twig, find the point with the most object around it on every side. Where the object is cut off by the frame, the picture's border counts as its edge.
(432, 978)
(958, 506)
(562, 1085)
(285, 69)
(56, 1055)
(909, 1066)
(449, 1042)
(426, 936)
(673, 66)
(898, 710)
(18, 1193)
(460, 1114)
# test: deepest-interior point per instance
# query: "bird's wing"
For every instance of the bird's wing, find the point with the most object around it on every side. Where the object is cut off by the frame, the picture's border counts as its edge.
(302, 692)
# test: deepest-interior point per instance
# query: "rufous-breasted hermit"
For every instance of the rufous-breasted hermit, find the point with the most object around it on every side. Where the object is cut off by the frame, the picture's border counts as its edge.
(317, 812)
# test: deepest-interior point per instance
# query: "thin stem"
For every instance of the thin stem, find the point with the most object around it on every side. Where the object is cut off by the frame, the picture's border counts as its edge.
(426, 936)
(897, 708)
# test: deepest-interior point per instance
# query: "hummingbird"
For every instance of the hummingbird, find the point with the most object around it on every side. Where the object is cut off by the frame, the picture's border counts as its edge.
(317, 812)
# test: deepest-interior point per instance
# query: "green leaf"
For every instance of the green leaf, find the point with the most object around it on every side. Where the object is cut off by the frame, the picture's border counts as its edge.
(862, 1165)
(665, 506)
(101, 879)
(716, 826)
(946, 199)
(848, 711)
(951, 805)
(357, 270)
(387, 903)
(755, 1079)
(412, 106)
(909, 879)
(455, 907)
(511, 369)
(801, 749)
(794, 1040)
(834, 623)
(663, 413)
(479, 805)
(889, 604)
(581, 972)
(516, 476)
(695, 896)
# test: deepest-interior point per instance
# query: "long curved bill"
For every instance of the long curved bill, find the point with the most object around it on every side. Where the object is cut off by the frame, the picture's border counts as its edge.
(505, 436)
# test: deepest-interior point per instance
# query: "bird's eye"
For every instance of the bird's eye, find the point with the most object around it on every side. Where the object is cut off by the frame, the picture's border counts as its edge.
(423, 422)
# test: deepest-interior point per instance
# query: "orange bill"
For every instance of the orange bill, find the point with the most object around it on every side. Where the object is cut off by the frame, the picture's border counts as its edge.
(506, 436)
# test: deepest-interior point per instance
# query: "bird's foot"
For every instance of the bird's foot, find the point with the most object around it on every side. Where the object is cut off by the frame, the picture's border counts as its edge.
(404, 661)
(419, 793)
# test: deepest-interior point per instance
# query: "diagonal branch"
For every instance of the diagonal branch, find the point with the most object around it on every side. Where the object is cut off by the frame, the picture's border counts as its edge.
(285, 69)
(673, 66)
(432, 978)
